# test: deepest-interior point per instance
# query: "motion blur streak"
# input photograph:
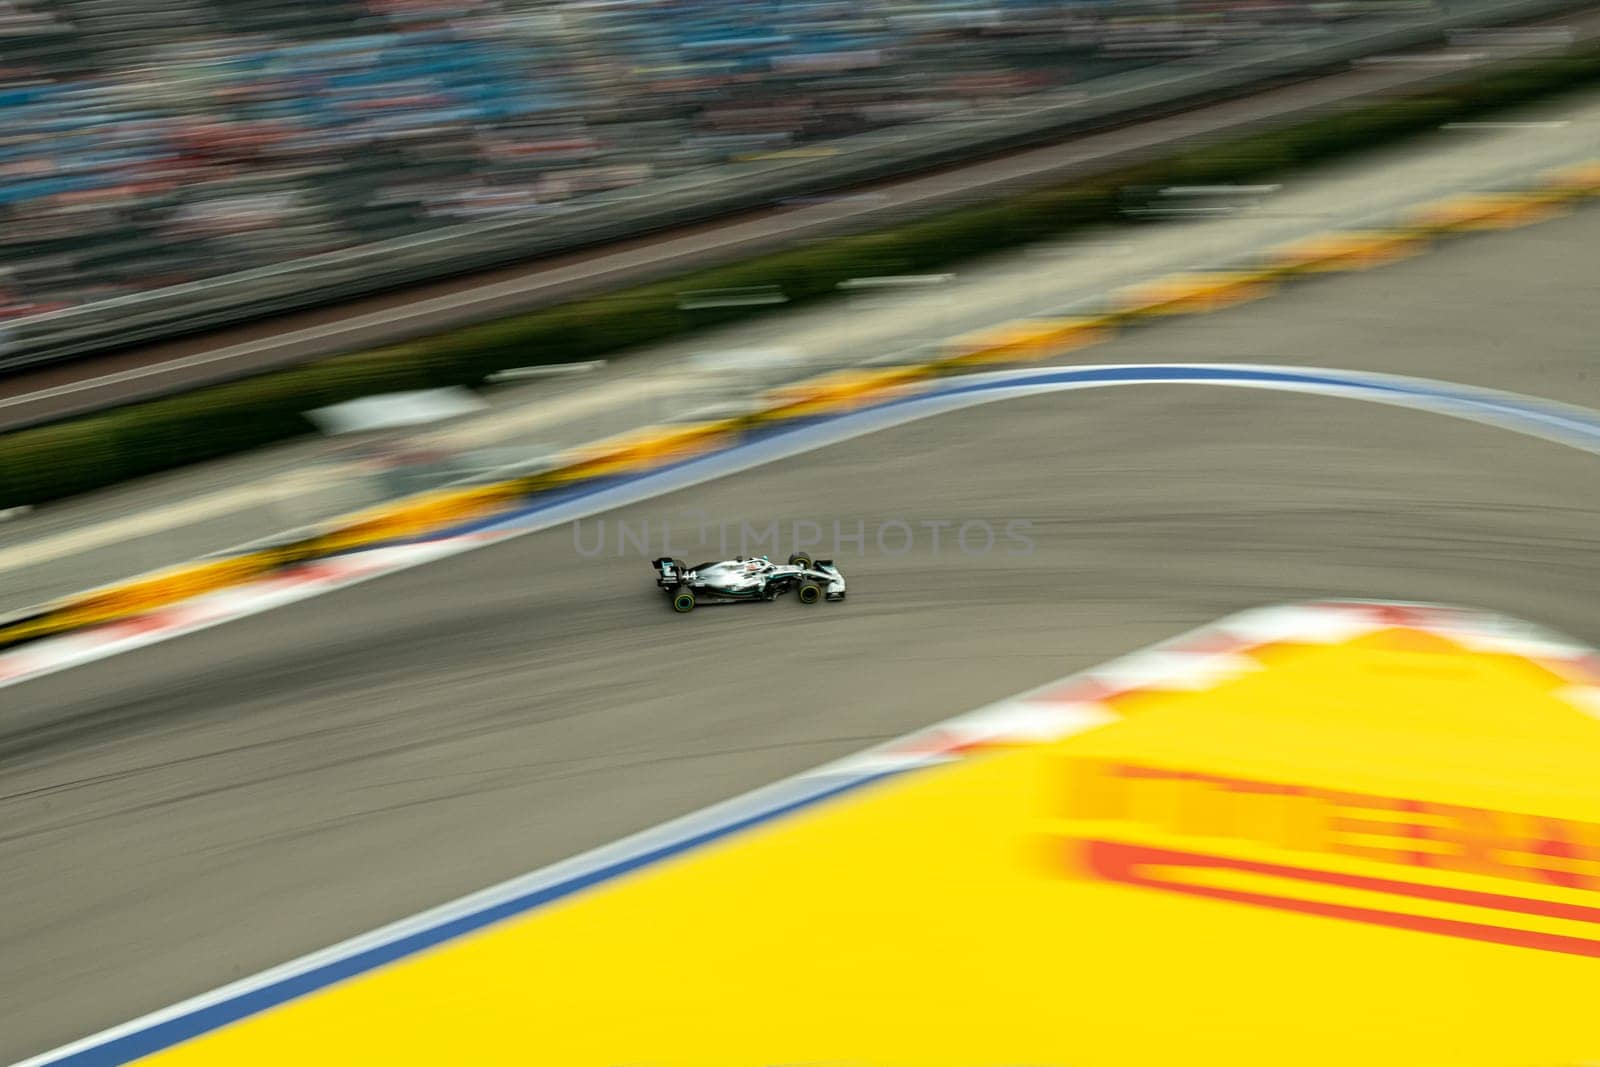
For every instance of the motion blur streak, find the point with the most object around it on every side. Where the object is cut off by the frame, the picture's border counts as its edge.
(175, 820)
(149, 151)
(1575, 427)
(426, 706)
(1013, 845)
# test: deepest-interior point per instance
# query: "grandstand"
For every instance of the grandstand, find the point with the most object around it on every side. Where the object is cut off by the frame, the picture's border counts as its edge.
(150, 142)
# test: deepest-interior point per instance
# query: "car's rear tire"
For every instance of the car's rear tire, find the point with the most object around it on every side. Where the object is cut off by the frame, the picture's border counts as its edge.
(800, 559)
(810, 592)
(683, 601)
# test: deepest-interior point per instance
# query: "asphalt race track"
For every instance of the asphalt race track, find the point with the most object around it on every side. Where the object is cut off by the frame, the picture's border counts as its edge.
(200, 810)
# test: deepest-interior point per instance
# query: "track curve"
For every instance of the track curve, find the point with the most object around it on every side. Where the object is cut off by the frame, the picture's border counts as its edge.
(212, 806)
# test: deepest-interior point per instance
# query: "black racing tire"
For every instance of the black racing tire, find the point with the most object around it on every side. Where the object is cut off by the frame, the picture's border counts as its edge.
(800, 559)
(810, 592)
(683, 601)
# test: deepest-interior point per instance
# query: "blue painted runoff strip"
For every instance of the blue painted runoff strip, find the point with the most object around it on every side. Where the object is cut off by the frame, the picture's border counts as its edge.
(162, 1035)
(1580, 427)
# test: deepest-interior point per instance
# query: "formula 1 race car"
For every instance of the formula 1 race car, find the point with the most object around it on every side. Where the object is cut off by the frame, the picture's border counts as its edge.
(754, 578)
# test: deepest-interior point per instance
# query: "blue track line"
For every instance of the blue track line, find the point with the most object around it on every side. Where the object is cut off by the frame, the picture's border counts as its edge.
(1572, 426)
(1575, 427)
(146, 1041)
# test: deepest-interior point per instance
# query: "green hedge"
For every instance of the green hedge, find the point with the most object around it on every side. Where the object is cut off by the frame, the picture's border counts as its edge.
(50, 462)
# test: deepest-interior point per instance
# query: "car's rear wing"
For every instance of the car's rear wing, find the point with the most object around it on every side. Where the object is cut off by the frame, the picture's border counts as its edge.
(670, 572)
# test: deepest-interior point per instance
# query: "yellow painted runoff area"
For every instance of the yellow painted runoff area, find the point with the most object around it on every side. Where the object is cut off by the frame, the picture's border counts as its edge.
(1376, 852)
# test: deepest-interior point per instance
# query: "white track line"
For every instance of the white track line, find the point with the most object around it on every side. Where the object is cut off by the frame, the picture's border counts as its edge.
(1566, 425)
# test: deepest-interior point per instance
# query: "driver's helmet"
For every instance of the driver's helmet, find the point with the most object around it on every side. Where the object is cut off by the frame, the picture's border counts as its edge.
(756, 563)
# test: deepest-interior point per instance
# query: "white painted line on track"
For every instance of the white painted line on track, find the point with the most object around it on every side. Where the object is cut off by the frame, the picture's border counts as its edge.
(871, 760)
(1567, 425)
(1037, 716)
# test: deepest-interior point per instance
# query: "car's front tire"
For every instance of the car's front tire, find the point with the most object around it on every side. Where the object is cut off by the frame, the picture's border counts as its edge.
(810, 592)
(800, 559)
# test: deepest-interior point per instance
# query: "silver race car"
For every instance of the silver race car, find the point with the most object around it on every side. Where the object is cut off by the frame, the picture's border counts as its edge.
(754, 578)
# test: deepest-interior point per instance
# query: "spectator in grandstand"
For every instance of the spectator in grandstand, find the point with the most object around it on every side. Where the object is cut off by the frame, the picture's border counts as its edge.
(149, 142)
